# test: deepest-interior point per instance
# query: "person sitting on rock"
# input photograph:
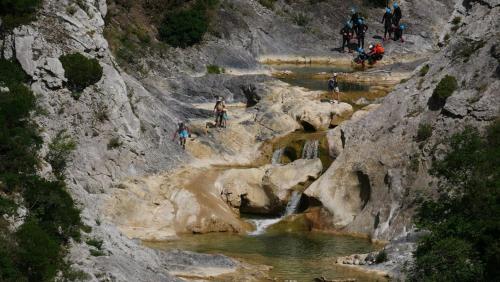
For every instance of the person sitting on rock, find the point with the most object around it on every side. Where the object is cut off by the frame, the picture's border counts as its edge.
(219, 112)
(333, 87)
(398, 33)
(362, 57)
(360, 32)
(376, 53)
(347, 33)
(387, 21)
(183, 133)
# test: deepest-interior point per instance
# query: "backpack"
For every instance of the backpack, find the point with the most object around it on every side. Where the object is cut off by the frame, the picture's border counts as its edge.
(379, 49)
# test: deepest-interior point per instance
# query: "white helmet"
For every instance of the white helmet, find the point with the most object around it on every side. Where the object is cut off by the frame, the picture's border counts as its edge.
(371, 46)
(334, 74)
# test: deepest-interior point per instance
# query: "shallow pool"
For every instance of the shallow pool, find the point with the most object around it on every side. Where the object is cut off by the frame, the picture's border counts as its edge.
(294, 257)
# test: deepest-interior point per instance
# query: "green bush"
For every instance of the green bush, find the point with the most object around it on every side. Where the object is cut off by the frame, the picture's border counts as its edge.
(17, 12)
(38, 254)
(95, 243)
(59, 153)
(80, 71)
(381, 257)
(11, 73)
(424, 132)
(53, 207)
(463, 243)
(214, 69)
(268, 3)
(424, 70)
(184, 27)
(445, 87)
(114, 143)
(301, 19)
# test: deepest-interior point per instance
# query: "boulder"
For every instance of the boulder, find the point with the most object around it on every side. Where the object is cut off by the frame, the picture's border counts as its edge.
(281, 180)
(24, 53)
(316, 114)
(242, 189)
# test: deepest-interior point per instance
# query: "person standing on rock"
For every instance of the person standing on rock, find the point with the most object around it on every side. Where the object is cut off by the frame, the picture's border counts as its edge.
(360, 33)
(396, 15)
(387, 21)
(333, 87)
(347, 33)
(219, 112)
(183, 133)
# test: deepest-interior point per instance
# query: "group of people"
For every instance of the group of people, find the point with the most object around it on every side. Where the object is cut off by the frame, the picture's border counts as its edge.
(357, 27)
(221, 117)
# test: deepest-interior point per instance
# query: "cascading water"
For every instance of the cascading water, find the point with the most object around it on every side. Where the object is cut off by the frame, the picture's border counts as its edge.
(276, 159)
(262, 224)
(311, 149)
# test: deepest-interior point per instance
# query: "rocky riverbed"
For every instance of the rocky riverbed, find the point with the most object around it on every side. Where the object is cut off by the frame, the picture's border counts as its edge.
(148, 188)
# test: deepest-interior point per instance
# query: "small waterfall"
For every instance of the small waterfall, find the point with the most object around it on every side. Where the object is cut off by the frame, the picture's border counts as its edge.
(276, 159)
(293, 204)
(310, 150)
(262, 224)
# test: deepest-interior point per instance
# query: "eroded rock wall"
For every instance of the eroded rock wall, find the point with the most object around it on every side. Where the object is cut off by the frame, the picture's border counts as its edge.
(381, 170)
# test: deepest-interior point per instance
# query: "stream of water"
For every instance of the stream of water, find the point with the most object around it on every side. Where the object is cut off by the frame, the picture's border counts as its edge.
(298, 256)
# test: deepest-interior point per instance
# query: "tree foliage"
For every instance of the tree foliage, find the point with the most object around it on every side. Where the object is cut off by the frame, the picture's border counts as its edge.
(464, 223)
(18, 12)
(80, 71)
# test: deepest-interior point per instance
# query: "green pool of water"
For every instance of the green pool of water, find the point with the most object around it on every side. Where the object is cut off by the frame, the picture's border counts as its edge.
(303, 76)
(294, 257)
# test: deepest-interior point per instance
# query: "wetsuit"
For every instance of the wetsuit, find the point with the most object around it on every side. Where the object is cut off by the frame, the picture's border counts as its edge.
(354, 20)
(396, 16)
(346, 32)
(387, 21)
(361, 31)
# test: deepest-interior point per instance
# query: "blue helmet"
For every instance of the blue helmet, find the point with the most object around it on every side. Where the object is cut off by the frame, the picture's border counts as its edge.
(395, 5)
(360, 50)
(388, 10)
(353, 10)
(402, 27)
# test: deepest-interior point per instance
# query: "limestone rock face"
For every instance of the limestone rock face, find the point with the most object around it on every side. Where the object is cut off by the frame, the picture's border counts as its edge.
(380, 169)
(282, 179)
(242, 189)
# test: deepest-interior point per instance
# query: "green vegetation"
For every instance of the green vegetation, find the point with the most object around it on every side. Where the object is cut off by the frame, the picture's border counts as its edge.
(467, 48)
(214, 69)
(185, 27)
(114, 143)
(268, 3)
(95, 243)
(301, 19)
(381, 257)
(463, 244)
(424, 132)
(59, 151)
(424, 70)
(445, 88)
(35, 251)
(80, 71)
(16, 12)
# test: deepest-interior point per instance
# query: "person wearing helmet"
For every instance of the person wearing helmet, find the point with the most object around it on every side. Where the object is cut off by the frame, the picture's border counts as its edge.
(387, 21)
(360, 32)
(396, 15)
(398, 34)
(354, 18)
(333, 87)
(347, 33)
(362, 56)
(183, 133)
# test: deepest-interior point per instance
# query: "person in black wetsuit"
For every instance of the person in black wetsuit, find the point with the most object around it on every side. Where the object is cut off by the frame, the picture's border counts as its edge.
(387, 21)
(354, 18)
(360, 32)
(347, 33)
(396, 15)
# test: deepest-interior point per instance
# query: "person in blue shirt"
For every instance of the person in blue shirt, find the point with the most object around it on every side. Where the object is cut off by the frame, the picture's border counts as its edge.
(183, 133)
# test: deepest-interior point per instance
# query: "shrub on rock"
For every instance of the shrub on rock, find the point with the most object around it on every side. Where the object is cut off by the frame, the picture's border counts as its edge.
(443, 90)
(16, 12)
(80, 71)
(184, 28)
